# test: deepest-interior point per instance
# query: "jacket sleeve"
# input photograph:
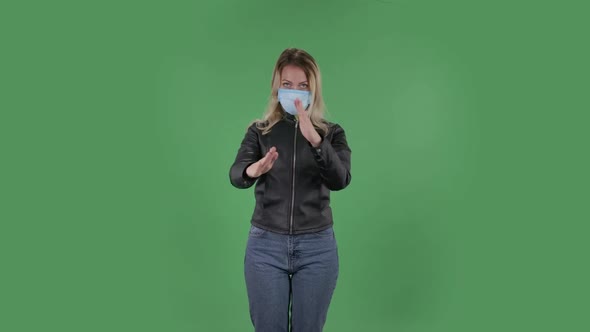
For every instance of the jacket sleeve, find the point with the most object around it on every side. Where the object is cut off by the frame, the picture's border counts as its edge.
(248, 153)
(333, 158)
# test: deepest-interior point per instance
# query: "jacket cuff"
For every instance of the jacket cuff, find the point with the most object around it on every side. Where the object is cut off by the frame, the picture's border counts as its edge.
(318, 152)
(247, 180)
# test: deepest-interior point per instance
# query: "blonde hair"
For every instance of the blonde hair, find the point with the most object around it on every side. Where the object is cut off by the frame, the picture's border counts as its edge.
(274, 112)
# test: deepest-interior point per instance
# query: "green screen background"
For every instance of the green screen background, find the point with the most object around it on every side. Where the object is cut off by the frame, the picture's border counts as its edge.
(467, 209)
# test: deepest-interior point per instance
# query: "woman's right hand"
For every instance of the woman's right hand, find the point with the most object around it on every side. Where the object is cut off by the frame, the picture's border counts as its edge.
(263, 165)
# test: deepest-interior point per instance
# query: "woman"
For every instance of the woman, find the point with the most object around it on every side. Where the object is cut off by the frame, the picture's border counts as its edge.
(296, 158)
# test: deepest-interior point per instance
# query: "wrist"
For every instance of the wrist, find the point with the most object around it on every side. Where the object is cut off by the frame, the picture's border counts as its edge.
(251, 171)
(317, 142)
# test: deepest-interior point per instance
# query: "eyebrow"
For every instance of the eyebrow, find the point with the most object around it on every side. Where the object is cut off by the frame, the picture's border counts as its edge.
(292, 82)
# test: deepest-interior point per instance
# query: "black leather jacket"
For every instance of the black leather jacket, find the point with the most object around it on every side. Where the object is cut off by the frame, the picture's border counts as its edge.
(294, 196)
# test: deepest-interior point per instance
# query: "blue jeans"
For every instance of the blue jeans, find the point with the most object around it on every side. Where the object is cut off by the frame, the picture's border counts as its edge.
(296, 272)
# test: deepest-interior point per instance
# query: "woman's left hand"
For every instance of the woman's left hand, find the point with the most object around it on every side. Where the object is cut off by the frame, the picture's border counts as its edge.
(306, 126)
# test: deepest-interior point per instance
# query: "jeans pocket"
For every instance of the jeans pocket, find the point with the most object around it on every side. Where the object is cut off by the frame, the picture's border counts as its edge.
(256, 231)
(326, 233)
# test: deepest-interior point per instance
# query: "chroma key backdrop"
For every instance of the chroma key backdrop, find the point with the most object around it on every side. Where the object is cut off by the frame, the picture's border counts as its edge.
(467, 121)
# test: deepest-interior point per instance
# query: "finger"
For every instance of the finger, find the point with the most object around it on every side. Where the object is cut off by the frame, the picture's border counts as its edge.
(269, 158)
(269, 152)
(271, 155)
(299, 106)
(269, 163)
(262, 165)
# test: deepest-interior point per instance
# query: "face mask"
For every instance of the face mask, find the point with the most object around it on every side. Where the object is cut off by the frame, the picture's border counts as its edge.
(287, 99)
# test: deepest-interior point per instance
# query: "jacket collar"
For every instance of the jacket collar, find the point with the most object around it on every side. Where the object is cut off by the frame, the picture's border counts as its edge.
(289, 116)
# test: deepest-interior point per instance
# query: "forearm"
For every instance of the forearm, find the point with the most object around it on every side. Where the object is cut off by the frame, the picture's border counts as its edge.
(334, 166)
(239, 178)
(247, 155)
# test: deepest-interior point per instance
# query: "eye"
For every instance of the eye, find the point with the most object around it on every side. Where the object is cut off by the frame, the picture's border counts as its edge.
(304, 85)
(286, 84)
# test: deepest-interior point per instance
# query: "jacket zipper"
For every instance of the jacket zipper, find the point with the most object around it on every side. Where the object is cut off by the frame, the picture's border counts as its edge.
(293, 179)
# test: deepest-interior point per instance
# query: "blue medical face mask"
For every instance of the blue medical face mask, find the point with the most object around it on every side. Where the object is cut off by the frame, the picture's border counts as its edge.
(287, 99)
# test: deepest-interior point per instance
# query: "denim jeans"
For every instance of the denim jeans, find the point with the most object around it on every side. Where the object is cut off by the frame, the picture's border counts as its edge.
(290, 279)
